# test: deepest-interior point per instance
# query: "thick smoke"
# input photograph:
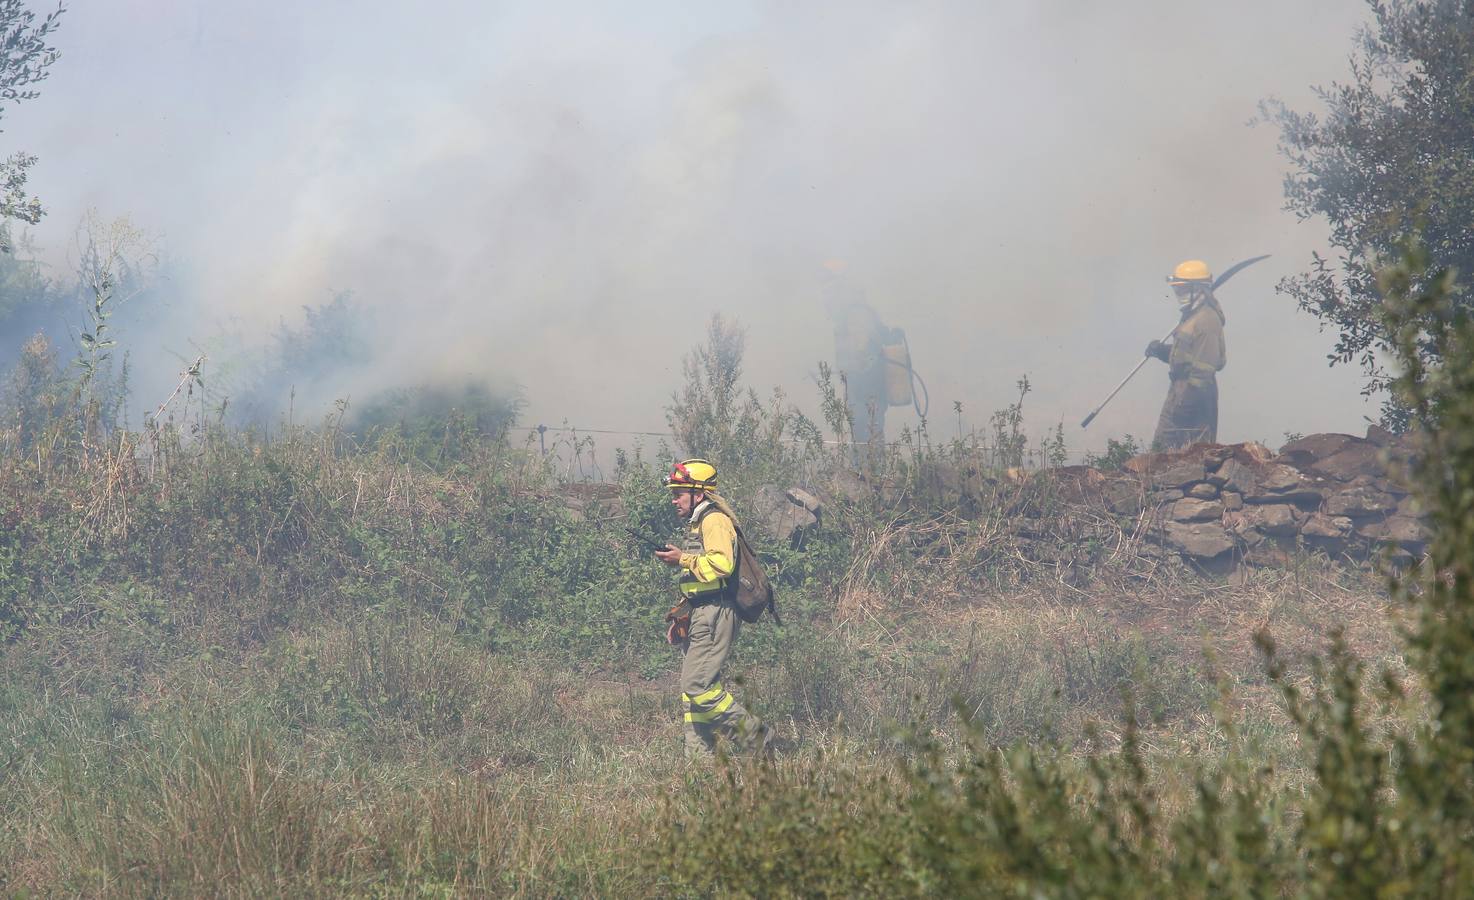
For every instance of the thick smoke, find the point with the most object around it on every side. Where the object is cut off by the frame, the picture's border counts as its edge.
(562, 194)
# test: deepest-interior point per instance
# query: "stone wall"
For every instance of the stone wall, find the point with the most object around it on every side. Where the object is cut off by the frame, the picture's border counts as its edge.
(1214, 505)
(1333, 492)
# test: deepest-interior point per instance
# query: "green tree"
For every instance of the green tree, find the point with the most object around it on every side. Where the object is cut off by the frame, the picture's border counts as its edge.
(714, 416)
(1392, 153)
(712, 413)
(25, 56)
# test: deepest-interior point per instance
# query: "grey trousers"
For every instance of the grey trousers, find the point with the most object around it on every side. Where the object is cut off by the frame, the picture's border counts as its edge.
(1189, 415)
(709, 708)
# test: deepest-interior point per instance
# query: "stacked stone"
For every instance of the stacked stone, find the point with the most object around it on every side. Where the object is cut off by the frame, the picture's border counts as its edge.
(1333, 492)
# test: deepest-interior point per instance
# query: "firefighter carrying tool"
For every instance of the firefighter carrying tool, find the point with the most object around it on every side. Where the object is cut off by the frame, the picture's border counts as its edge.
(1194, 359)
(1153, 346)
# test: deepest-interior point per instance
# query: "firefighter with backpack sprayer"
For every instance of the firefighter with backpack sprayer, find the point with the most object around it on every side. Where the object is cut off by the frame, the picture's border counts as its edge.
(705, 623)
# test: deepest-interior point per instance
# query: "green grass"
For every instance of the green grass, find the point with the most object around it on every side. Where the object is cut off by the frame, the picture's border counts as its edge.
(385, 750)
(313, 667)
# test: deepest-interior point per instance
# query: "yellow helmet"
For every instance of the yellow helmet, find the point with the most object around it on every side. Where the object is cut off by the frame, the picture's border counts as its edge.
(692, 475)
(1190, 271)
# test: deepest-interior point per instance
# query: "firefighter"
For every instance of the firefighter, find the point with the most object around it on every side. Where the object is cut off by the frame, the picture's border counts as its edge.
(705, 624)
(1194, 357)
(860, 340)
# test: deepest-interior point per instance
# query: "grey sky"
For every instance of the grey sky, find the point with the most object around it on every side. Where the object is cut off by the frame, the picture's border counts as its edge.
(562, 193)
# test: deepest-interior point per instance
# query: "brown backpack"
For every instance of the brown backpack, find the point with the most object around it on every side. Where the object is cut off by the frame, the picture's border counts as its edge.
(751, 591)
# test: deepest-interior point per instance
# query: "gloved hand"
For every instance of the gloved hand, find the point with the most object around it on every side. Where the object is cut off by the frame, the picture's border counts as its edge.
(1159, 350)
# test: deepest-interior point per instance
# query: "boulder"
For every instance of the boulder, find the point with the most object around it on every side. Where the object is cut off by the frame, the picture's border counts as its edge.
(1320, 525)
(1158, 498)
(1360, 460)
(1251, 537)
(1252, 452)
(1203, 491)
(1215, 456)
(1163, 470)
(1400, 530)
(1274, 519)
(807, 500)
(1280, 483)
(1199, 540)
(1329, 533)
(1304, 451)
(1394, 486)
(1124, 496)
(1193, 510)
(1380, 436)
(778, 517)
(1359, 500)
(1235, 476)
(851, 487)
(1280, 477)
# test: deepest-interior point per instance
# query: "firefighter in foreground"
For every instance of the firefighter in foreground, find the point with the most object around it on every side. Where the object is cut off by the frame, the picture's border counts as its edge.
(1194, 357)
(705, 624)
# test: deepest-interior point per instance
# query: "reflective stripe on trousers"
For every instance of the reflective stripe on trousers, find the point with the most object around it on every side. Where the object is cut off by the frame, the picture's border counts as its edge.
(706, 706)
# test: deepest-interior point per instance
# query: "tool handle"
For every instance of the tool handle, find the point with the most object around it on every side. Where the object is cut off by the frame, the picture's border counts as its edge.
(1132, 374)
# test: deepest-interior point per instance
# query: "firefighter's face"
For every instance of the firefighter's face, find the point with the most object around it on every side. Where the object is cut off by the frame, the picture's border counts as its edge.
(1185, 293)
(684, 502)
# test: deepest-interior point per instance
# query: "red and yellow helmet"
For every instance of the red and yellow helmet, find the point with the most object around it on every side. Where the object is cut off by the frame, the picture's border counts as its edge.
(692, 475)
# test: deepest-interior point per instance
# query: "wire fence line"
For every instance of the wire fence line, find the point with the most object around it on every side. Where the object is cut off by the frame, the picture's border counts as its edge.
(580, 461)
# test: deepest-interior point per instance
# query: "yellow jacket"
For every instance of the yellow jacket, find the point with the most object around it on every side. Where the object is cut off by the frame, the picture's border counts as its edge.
(1198, 350)
(709, 553)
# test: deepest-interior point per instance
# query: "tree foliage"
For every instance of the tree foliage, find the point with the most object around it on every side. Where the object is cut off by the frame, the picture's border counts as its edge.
(1392, 152)
(25, 57)
(714, 416)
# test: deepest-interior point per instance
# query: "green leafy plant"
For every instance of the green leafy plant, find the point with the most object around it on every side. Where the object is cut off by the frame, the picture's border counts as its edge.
(1115, 455)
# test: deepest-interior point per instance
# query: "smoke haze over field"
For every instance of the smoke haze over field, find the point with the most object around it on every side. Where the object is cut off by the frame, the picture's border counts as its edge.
(563, 193)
